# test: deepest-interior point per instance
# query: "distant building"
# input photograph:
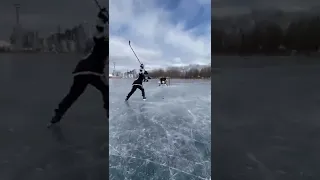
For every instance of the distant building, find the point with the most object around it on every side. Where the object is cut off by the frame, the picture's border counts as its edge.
(44, 45)
(16, 37)
(48, 42)
(28, 39)
(71, 40)
(80, 38)
(24, 39)
(5, 46)
(72, 46)
(36, 41)
(63, 46)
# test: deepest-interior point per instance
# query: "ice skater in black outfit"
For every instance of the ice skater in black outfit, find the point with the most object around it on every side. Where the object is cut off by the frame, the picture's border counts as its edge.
(163, 80)
(137, 84)
(89, 70)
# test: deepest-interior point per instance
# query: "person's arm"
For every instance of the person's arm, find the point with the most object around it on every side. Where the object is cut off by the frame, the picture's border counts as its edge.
(102, 31)
(101, 35)
(147, 75)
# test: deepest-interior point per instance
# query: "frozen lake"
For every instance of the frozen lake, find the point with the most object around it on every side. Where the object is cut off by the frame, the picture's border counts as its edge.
(31, 87)
(266, 118)
(168, 136)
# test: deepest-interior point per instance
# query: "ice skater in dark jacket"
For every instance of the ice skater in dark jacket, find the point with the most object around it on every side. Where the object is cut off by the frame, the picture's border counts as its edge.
(89, 70)
(137, 84)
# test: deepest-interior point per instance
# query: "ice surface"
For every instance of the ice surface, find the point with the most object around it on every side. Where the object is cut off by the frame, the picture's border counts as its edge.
(266, 121)
(31, 87)
(168, 136)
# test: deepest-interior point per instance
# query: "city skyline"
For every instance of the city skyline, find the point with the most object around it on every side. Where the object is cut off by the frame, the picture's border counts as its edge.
(45, 16)
(76, 39)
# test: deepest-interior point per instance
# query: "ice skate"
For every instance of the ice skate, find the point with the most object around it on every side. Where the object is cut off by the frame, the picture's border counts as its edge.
(54, 120)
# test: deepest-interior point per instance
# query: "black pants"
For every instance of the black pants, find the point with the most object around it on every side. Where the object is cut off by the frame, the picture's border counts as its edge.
(80, 82)
(134, 88)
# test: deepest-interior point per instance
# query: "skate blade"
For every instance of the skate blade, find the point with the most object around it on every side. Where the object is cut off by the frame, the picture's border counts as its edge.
(49, 125)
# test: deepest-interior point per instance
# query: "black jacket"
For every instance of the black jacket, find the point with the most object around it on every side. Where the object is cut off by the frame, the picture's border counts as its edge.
(140, 79)
(163, 79)
(95, 62)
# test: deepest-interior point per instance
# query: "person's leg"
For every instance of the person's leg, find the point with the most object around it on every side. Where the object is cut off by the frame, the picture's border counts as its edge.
(142, 91)
(99, 84)
(79, 85)
(133, 89)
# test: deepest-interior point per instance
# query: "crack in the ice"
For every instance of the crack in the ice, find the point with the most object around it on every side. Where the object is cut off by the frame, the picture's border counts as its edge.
(164, 165)
(162, 153)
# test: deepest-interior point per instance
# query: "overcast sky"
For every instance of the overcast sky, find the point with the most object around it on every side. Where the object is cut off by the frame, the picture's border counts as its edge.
(162, 33)
(234, 7)
(45, 16)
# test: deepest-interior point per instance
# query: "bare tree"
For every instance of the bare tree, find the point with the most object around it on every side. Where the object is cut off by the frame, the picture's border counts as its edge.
(181, 73)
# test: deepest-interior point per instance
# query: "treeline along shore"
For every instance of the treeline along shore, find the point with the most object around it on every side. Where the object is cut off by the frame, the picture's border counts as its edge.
(299, 37)
(182, 73)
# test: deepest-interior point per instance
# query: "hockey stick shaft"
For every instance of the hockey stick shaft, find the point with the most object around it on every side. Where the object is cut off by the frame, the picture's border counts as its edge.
(98, 4)
(134, 53)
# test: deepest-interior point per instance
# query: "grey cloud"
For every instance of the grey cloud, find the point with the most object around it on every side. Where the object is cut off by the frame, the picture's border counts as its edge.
(229, 7)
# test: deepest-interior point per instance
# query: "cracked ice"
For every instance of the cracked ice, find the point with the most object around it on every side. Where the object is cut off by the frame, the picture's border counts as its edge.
(166, 137)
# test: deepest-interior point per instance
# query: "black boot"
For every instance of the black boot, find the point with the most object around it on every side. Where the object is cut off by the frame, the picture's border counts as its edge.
(55, 119)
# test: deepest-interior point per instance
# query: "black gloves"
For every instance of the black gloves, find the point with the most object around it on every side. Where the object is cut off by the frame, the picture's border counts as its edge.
(103, 15)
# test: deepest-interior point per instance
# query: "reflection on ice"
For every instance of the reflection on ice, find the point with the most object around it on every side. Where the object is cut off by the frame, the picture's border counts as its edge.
(165, 137)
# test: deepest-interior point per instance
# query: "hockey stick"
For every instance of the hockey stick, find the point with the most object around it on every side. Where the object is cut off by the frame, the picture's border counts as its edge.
(97, 3)
(134, 53)
(101, 8)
